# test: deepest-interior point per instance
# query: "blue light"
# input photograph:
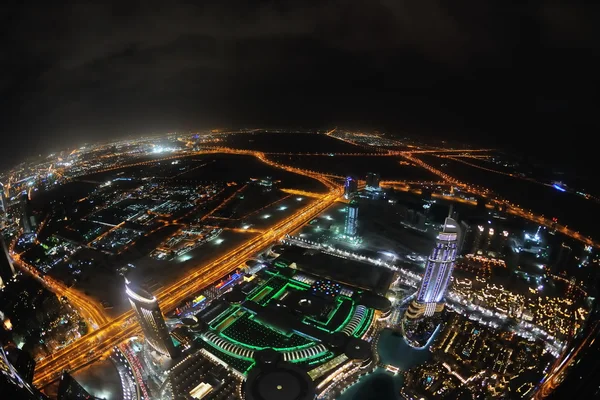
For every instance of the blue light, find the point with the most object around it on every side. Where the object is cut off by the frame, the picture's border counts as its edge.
(559, 188)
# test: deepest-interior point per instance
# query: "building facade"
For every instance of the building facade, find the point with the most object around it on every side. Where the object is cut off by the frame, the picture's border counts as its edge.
(3, 200)
(440, 264)
(28, 222)
(151, 320)
(373, 180)
(351, 222)
(350, 187)
(12, 385)
(70, 389)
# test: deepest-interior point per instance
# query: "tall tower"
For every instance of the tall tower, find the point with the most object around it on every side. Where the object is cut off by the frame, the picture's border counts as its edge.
(373, 180)
(430, 297)
(28, 222)
(7, 269)
(3, 207)
(350, 187)
(351, 219)
(3, 204)
(563, 260)
(150, 319)
(70, 389)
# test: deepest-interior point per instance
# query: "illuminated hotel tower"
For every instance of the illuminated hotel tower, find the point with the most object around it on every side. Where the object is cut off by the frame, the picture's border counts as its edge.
(150, 319)
(430, 297)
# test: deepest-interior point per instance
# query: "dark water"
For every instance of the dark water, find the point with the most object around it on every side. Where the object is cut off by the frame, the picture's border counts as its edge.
(290, 142)
(570, 208)
(388, 167)
(381, 384)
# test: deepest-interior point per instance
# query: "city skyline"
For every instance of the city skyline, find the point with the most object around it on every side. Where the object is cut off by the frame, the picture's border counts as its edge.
(264, 244)
(360, 200)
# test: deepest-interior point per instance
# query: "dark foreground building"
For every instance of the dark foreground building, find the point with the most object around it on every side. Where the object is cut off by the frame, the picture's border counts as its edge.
(70, 389)
(581, 380)
(7, 269)
(22, 362)
(12, 385)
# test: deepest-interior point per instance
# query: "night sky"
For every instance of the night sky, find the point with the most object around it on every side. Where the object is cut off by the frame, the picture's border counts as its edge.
(521, 76)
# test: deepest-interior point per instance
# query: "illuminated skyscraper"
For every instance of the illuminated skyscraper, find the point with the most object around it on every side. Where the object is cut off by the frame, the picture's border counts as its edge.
(430, 297)
(7, 269)
(350, 187)
(150, 319)
(351, 219)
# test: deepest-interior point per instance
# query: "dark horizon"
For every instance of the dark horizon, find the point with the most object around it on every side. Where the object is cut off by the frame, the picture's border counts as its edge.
(519, 77)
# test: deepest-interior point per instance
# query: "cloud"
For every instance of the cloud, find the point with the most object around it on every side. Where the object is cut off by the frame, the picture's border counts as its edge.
(571, 25)
(86, 33)
(90, 65)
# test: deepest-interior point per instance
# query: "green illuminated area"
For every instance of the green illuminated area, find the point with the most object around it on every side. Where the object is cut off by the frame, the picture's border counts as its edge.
(288, 315)
(247, 331)
(241, 364)
(337, 318)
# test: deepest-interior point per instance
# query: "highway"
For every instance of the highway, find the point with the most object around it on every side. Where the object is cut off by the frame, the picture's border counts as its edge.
(93, 345)
(89, 308)
(303, 193)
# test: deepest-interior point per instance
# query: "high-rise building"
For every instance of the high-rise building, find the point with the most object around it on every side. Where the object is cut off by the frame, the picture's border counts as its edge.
(414, 219)
(3, 207)
(150, 319)
(421, 221)
(453, 213)
(478, 236)
(351, 222)
(430, 297)
(7, 269)
(485, 240)
(563, 260)
(22, 362)
(410, 216)
(28, 222)
(350, 187)
(373, 180)
(3, 203)
(70, 389)
(12, 385)
(466, 237)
